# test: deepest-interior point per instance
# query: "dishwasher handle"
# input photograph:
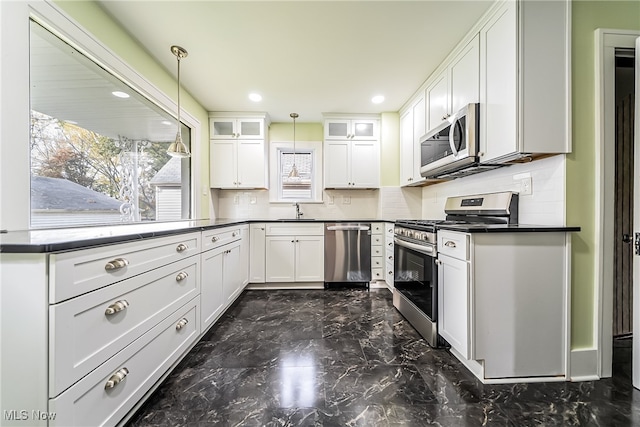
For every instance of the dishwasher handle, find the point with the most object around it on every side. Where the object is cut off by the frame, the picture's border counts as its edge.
(348, 227)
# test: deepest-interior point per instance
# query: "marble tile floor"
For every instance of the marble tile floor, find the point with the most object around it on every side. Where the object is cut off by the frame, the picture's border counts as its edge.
(346, 357)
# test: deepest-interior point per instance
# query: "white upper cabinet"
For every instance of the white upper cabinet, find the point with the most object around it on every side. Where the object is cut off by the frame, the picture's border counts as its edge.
(412, 127)
(525, 75)
(437, 95)
(455, 86)
(351, 153)
(361, 129)
(240, 128)
(238, 151)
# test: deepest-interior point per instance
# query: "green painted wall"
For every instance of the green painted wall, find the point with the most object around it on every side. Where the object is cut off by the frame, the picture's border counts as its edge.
(304, 132)
(587, 16)
(90, 16)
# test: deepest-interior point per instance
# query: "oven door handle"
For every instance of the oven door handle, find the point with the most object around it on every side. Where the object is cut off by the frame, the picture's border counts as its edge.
(428, 250)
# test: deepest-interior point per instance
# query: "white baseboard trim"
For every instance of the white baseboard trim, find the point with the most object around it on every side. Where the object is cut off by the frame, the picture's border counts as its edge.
(584, 364)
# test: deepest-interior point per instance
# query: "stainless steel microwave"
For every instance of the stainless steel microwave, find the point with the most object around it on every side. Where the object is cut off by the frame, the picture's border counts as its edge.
(451, 149)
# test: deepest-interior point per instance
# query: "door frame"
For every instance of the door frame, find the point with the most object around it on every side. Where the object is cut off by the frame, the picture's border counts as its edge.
(606, 41)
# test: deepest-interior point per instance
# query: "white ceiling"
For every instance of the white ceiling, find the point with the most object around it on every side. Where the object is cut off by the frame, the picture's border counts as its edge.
(308, 57)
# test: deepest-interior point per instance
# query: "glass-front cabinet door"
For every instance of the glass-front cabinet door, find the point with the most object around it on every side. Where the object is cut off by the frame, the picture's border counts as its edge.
(236, 128)
(351, 129)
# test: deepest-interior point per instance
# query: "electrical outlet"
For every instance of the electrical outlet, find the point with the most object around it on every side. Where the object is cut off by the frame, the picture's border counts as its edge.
(236, 200)
(526, 187)
(253, 200)
(346, 200)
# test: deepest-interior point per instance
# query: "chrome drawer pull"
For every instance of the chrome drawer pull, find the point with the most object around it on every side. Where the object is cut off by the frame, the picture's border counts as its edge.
(234, 234)
(116, 264)
(116, 307)
(214, 239)
(450, 244)
(116, 378)
(181, 247)
(181, 276)
(181, 324)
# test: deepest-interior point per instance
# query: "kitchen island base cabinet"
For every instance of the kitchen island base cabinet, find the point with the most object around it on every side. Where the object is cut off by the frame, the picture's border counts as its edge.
(517, 298)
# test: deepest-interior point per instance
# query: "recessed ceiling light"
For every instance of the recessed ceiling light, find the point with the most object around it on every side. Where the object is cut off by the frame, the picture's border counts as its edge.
(166, 122)
(255, 97)
(377, 99)
(120, 94)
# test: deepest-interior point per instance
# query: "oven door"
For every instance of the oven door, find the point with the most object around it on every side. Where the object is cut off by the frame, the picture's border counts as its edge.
(415, 275)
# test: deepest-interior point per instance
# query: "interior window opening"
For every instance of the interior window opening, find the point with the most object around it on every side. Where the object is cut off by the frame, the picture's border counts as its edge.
(98, 147)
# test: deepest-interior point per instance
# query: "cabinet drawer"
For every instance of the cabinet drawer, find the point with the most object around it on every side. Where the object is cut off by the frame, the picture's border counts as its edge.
(76, 273)
(89, 403)
(82, 335)
(377, 228)
(377, 239)
(388, 230)
(456, 245)
(377, 262)
(377, 251)
(389, 273)
(221, 236)
(388, 256)
(377, 273)
(295, 229)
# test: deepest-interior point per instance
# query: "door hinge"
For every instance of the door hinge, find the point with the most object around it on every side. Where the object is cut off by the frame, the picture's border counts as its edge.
(636, 243)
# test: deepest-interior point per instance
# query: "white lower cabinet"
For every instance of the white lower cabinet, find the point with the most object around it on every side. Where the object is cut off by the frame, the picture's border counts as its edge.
(99, 327)
(106, 395)
(87, 330)
(257, 257)
(389, 249)
(295, 258)
(453, 302)
(224, 271)
(294, 252)
(503, 303)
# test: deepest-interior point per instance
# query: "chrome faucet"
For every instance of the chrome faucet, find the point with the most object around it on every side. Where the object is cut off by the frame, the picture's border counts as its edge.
(298, 213)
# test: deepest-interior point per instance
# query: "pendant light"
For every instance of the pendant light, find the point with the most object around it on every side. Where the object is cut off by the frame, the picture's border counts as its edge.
(177, 148)
(294, 169)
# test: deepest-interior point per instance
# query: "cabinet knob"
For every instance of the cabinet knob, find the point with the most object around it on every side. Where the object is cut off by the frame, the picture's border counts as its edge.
(446, 116)
(234, 234)
(181, 276)
(116, 264)
(481, 154)
(438, 262)
(390, 256)
(116, 307)
(181, 247)
(214, 239)
(390, 243)
(181, 324)
(116, 378)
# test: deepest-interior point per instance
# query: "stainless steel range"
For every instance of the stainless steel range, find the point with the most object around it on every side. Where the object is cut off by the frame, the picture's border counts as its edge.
(416, 251)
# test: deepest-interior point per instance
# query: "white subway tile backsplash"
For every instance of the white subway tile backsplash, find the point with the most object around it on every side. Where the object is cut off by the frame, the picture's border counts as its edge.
(545, 206)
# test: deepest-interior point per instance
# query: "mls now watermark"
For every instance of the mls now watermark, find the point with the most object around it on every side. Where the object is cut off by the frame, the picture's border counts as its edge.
(24, 415)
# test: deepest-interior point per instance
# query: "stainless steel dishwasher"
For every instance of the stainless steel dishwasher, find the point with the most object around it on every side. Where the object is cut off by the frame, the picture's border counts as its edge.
(347, 253)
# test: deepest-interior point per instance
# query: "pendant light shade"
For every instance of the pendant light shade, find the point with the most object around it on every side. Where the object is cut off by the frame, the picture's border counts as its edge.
(177, 148)
(294, 169)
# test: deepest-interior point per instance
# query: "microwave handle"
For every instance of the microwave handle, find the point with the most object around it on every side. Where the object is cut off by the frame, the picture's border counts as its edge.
(452, 129)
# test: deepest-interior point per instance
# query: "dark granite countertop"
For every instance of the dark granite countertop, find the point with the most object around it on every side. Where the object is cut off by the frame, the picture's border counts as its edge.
(507, 228)
(65, 239)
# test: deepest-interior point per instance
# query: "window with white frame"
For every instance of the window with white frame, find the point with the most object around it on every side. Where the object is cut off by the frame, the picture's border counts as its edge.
(306, 186)
(300, 187)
